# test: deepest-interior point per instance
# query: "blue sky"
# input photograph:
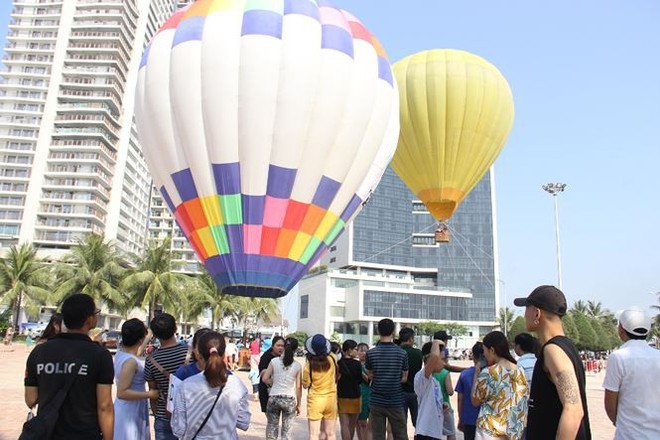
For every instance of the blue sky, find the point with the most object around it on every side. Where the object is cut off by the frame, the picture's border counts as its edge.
(586, 82)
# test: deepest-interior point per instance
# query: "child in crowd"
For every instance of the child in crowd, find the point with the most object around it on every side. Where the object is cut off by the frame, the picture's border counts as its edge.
(253, 375)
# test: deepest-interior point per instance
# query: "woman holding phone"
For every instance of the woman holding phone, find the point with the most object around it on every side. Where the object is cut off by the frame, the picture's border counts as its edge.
(501, 390)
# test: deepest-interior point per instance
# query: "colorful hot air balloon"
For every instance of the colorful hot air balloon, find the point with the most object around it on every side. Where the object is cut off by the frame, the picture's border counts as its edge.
(265, 125)
(456, 114)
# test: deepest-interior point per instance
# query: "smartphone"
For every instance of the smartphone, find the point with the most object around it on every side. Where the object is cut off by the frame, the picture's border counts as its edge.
(483, 363)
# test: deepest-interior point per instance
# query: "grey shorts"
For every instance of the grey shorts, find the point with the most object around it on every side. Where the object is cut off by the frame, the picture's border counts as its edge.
(448, 425)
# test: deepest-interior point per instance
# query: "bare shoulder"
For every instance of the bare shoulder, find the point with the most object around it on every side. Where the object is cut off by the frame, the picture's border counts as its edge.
(562, 374)
(555, 358)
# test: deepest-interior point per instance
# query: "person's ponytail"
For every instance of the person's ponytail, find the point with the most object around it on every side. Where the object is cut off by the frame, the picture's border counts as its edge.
(290, 347)
(212, 349)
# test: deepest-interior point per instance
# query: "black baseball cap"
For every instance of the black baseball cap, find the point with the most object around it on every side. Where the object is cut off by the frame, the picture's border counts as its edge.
(547, 298)
(441, 335)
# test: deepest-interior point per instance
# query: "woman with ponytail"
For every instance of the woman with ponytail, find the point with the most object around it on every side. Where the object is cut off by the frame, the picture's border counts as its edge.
(283, 375)
(213, 403)
(501, 391)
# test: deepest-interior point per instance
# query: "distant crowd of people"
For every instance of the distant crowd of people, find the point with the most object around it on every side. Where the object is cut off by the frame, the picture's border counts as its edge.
(193, 392)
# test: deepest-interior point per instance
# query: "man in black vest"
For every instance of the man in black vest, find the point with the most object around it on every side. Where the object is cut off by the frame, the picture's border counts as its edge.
(558, 400)
(87, 412)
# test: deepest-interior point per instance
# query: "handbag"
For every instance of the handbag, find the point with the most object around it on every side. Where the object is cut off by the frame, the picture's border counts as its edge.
(209, 414)
(42, 425)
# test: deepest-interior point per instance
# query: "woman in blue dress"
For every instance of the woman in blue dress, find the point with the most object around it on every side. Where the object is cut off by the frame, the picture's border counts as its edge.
(131, 405)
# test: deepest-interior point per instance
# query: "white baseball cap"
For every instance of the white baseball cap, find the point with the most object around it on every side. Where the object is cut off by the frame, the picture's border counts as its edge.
(635, 321)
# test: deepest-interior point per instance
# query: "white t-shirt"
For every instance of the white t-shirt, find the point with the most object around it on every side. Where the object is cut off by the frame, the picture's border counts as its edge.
(430, 413)
(230, 349)
(633, 371)
(284, 378)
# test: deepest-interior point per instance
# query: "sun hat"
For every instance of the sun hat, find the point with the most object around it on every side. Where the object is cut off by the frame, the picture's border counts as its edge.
(317, 345)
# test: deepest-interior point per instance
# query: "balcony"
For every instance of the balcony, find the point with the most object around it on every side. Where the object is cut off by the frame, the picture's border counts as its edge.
(73, 95)
(89, 145)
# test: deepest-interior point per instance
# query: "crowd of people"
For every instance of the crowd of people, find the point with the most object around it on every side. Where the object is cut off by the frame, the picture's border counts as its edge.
(193, 391)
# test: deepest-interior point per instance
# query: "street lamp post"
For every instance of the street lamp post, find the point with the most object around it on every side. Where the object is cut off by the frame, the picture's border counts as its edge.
(554, 189)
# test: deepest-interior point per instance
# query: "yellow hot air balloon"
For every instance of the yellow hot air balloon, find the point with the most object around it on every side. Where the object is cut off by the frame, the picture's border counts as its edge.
(456, 114)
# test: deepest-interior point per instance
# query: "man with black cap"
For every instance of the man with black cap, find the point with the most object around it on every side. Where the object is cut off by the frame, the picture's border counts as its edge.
(558, 401)
(631, 393)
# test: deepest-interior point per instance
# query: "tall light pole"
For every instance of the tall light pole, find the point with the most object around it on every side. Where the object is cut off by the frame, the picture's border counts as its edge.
(554, 189)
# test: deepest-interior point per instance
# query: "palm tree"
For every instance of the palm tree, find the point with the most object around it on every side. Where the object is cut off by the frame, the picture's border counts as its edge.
(580, 307)
(220, 304)
(595, 309)
(24, 280)
(152, 282)
(505, 318)
(95, 267)
(252, 310)
(266, 310)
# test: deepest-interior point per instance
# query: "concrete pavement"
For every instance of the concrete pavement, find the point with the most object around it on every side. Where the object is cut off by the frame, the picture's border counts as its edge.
(13, 410)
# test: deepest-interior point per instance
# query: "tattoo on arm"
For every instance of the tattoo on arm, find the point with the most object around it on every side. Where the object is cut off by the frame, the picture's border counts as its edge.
(567, 387)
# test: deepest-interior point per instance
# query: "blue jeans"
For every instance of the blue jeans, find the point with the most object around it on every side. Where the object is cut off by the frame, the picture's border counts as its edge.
(410, 404)
(163, 429)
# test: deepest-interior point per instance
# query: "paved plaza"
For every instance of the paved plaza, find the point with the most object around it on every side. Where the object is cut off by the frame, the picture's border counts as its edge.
(13, 409)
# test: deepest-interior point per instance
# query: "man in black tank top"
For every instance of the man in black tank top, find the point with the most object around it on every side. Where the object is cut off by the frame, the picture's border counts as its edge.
(558, 400)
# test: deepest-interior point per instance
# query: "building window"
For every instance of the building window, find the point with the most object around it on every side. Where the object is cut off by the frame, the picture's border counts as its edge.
(424, 240)
(414, 306)
(304, 306)
(419, 208)
(337, 311)
(343, 283)
(333, 259)
(333, 248)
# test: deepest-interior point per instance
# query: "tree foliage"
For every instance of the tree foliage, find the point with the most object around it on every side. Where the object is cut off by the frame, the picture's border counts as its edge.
(428, 328)
(95, 267)
(505, 318)
(517, 327)
(25, 281)
(152, 282)
(299, 336)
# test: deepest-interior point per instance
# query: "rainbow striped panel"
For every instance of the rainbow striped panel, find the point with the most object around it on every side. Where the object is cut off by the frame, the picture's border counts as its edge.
(266, 124)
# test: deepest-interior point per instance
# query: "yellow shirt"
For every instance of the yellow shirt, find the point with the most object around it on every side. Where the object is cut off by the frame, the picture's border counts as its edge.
(322, 382)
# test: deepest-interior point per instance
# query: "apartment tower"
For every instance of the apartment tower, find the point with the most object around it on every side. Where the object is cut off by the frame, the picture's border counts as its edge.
(70, 161)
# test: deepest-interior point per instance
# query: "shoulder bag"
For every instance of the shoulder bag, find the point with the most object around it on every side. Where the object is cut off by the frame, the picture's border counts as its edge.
(172, 385)
(42, 425)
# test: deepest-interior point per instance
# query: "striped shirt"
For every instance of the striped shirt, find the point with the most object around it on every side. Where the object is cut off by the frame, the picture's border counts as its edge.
(387, 362)
(170, 359)
(194, 401)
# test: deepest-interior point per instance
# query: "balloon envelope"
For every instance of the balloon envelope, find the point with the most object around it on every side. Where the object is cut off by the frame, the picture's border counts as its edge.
(265, 125)
(456, 114)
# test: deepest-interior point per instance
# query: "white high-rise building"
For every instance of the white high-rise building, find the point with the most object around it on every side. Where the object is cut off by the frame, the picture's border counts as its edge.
(70, 162)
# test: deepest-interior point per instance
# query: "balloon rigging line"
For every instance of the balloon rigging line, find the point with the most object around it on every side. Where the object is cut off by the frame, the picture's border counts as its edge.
(454, 231)
(397, 244)
(475, 263)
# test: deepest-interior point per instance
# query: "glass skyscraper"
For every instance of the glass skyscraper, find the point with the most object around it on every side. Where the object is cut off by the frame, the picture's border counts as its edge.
(394, 228)
(387, 264)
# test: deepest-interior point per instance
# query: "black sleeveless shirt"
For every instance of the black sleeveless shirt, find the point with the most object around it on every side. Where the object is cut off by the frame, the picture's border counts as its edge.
(544, 405)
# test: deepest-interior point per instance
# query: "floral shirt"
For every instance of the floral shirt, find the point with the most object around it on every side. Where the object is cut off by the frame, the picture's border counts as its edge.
(504, 394)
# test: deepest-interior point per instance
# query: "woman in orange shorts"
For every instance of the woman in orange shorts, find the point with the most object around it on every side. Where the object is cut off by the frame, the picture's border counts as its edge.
(320, 377)
(348, 389)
